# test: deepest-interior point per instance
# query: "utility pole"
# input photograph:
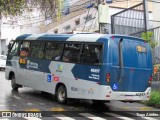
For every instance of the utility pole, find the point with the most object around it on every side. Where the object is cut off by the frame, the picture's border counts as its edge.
(100, 25)
(146, 16)
(0, 32)
(102, 15)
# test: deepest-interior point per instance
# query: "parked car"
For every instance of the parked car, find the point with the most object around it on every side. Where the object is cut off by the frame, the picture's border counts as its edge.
(3, 62)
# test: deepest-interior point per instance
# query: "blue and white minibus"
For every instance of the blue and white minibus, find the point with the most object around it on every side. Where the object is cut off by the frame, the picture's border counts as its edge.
(98, 67)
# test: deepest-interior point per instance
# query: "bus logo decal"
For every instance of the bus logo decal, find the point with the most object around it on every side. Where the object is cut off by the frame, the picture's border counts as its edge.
(59, 68)
(32, 65)
(115, 86)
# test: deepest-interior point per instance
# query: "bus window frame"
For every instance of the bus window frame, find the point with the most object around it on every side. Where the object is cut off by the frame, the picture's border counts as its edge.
(102, 52)
(78, 55)
(29, 47)
(56, 42)
(31, 50)
(63, 48)
(83, 43)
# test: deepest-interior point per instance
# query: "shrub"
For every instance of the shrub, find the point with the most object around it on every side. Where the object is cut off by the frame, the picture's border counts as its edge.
(154, 99)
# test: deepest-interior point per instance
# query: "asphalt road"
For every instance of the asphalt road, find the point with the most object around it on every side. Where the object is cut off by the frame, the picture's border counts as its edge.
(26, 101)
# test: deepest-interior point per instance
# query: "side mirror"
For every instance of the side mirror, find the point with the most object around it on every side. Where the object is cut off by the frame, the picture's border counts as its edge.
(10, 44)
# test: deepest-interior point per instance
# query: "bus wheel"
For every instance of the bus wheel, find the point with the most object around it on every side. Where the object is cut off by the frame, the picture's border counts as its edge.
(13, 83)
(61, 94)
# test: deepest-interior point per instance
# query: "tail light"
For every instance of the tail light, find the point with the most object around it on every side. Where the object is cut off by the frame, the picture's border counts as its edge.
(108, 77)
(150, 80)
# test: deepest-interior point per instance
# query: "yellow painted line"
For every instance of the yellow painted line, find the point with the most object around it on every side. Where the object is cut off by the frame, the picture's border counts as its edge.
(57, 109)
(139, 108)
(32, 110)
(145, 108)
(126, 108)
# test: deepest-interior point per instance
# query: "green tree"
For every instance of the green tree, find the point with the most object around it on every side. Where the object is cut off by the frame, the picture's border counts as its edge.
(18, 7)
(47, 7)
(11, 8)
(148, 37)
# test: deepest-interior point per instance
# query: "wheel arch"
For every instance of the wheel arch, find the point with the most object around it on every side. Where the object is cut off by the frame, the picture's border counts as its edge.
(59, 84)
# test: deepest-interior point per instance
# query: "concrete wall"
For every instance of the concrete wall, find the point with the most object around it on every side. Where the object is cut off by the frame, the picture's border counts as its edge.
(88, 27)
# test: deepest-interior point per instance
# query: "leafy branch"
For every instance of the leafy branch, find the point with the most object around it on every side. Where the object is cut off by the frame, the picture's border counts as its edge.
(148, 37)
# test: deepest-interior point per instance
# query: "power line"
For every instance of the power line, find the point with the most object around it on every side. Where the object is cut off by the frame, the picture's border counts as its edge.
(79, 18)
(93, 21)
(86, 20)
(153, 1)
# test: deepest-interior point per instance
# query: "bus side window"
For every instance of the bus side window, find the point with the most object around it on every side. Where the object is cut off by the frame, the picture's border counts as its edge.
(25, 49)
(71, 53)
(15, 49)
(53, 51)
(91, 54)
(37, 50)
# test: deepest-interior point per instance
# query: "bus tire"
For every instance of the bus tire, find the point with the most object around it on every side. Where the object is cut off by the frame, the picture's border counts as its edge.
(13, 83)
(61, 94)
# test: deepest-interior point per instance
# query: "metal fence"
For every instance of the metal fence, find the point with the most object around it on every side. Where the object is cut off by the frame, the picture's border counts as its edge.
(156, 37)
(129, 21)
(156, 82)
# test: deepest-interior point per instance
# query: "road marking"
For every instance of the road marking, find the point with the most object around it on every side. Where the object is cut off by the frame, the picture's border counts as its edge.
(32, 110)
(149, 118)
(126, 108)
(90, 116)
(119, 116)
(16, 97)
(57, 109)
(145, 108)
(29, 104)
(32, 118)
(63, 117)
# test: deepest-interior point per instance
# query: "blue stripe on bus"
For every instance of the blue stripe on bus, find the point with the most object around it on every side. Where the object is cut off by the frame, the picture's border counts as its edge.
(22, 37)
